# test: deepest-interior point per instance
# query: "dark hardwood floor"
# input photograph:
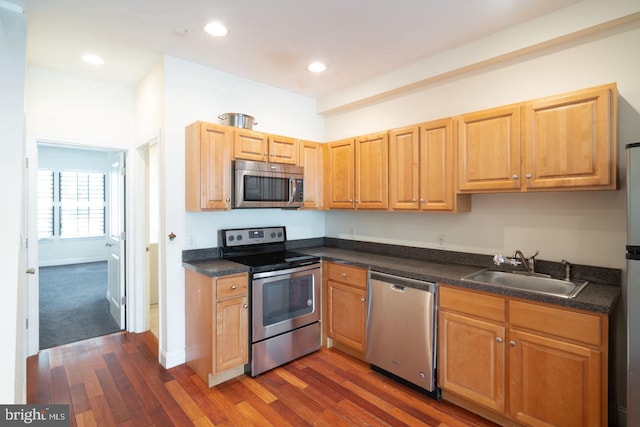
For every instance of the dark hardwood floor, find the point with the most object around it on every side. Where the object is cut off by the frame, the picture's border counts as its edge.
(116, 380)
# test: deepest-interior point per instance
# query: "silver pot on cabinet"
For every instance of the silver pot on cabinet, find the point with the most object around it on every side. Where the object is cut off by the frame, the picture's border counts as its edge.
(238, 120)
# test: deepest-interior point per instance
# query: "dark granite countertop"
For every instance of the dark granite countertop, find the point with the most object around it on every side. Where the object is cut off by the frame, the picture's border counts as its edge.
(597, 296)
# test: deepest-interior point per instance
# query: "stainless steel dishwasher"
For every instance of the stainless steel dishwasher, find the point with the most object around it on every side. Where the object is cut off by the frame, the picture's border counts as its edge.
(401, 329)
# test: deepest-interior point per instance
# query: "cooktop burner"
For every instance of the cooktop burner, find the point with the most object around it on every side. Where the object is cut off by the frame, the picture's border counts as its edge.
(262, 249)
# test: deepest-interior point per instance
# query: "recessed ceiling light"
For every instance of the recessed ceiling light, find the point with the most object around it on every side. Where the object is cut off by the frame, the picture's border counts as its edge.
(216, 29)
(178, 31)
(92, 59)
(317, 67)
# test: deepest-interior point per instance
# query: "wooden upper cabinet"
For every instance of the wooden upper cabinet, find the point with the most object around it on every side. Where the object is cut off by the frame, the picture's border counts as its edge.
(340, 179)
(422, 169)
(404, 168)
(371, 169)
(208, 166)
(489, 150)
(250, 145)
(283, 149)
(311, 158)
(568, 142)
(571, 140)
(261, 147)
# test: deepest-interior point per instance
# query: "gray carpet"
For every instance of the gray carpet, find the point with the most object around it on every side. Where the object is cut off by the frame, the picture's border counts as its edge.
(73, 304)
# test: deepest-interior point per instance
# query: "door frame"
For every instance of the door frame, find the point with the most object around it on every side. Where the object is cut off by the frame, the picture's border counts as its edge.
(33, 280)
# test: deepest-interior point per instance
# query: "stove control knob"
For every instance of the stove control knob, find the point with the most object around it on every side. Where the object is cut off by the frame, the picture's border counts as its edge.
(239, 237)
(231, 238)
(279, 233)
(273, 235)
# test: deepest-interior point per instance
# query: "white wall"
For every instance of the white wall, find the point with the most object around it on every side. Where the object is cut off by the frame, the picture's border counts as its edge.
(194, 92)
(13, 43)
(58, 251)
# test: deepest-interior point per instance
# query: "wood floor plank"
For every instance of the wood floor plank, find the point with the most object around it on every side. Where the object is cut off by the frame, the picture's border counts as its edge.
(86, 419)
(116, 380)
(255, 388)
(116, 403)
(291, 379)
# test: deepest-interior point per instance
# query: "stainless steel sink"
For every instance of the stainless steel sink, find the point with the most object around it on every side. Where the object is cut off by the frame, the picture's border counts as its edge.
(531, 282)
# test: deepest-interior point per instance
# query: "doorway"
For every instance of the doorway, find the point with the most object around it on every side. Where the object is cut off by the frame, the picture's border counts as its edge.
(149, 152)
(80, 229)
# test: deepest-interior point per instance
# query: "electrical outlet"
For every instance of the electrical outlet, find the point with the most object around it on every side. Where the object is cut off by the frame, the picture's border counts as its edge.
(441, 240)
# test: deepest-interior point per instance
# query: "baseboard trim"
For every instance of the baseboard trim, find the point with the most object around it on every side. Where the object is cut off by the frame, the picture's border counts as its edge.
(170, 360)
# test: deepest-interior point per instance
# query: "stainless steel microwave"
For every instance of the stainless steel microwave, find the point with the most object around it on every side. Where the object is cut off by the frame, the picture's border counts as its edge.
(267, 185)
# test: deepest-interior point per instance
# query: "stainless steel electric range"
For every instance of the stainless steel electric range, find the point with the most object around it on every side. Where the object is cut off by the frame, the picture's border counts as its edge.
(284, 295)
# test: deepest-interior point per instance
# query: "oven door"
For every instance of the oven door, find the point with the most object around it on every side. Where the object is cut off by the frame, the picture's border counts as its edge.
(284, 300)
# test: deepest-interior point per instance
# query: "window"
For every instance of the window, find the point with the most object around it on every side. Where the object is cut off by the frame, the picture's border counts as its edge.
(79, 208)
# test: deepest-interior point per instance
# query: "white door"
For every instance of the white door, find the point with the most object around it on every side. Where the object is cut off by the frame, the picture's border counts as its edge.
(30, 248)
(116, 239)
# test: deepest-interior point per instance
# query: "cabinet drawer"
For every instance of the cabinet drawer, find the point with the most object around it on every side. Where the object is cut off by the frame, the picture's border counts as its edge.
(353, 276)
(582, 327)
(231, 286)
(474, 303)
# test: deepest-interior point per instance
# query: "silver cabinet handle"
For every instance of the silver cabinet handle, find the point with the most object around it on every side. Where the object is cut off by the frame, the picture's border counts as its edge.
(414, 200)
(344, 274)
(245, 306)
(422, 200)
(515, 176)
(363, 299)
(499, 340)
(512, 343)
(31, 271)
(528, 176)
(234, 287)
(108, 245)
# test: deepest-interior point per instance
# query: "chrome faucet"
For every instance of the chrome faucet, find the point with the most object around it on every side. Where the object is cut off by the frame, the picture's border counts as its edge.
(517, 259)
(529, 263)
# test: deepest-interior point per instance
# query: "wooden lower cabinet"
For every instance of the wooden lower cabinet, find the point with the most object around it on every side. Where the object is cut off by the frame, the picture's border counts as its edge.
(217, 325)
(346, 306)
(478, 375)
(522, 362)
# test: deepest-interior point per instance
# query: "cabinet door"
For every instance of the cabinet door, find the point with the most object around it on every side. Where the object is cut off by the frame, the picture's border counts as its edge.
(471, 359)
(231, 333)
(489, 150)
(553, 382)
(340, 180)
(404, 168)
(208, 167)
(570, 141)
(283, 149)
(347, 315)
(312, 160)
(250, 145)
(372, 176)
(437, 189)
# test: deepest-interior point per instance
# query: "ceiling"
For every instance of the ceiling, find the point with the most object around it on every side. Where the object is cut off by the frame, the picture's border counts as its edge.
(269, 41)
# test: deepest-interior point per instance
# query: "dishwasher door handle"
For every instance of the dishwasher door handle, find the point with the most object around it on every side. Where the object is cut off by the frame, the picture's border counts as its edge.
(397, 288)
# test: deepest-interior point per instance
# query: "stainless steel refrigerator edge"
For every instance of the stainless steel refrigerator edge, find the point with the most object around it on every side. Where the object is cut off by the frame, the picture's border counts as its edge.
(633, 284)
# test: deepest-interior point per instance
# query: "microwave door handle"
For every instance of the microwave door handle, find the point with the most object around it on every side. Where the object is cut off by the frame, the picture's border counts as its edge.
(293, 190)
